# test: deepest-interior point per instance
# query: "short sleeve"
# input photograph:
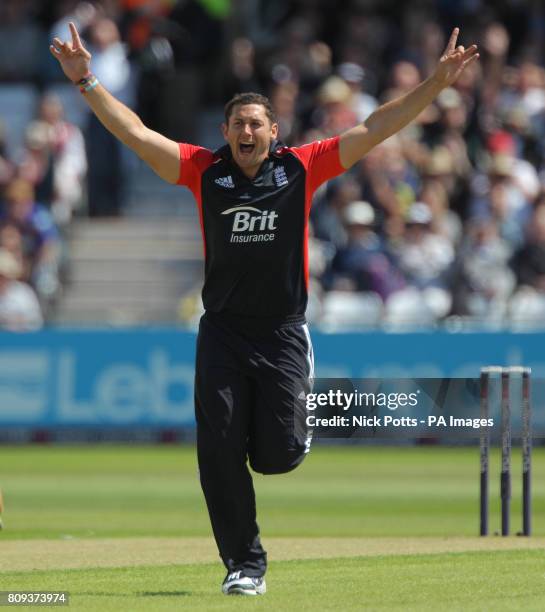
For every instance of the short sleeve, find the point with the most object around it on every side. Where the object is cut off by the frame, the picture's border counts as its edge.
(193, 162)
(321, 160)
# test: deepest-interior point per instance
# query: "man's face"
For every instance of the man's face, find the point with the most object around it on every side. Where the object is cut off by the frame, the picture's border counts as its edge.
(249, 134)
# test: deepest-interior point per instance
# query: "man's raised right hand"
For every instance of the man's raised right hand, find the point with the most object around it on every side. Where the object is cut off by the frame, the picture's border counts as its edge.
(73, 57)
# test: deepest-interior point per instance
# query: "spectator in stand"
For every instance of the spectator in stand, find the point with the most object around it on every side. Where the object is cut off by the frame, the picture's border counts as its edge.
(241, 75)
(11, 240)
(284, 99)
(495, 41)
(300, 57)
(69, 159)
(425, 259)
(20, 41)
(445, 222)
(390, 182)
(510, 145)
(365, 35)
(320, 254)
(106, 179)
(361, 103)
(528, 92)
(427, 38)
(529, 261)
(41, 242)
(486, 281)
(499, 196)
(36, 165)
(451, 129)
(333, 113)
(327, 213)
(19, 306)
(404, 76)
(140, 18)
(364, 260)
(439, 167)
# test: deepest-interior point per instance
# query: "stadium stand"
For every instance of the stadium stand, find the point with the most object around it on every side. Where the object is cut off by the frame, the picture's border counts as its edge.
(455, 198)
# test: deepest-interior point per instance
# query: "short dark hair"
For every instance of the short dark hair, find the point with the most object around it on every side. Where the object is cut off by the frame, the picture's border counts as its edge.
(249, 98)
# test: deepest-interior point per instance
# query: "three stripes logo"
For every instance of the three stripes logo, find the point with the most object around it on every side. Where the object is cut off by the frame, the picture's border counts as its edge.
(225, 181)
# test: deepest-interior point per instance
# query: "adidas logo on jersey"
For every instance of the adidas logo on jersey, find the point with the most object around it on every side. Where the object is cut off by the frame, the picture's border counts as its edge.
(225, 181)
(280, 177)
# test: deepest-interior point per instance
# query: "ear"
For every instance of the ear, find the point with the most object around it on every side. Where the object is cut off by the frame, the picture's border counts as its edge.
(224, 130)
(274, 131)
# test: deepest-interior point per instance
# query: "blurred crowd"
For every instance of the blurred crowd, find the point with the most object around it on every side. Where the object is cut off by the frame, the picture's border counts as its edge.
(443, 222)
(40, 186)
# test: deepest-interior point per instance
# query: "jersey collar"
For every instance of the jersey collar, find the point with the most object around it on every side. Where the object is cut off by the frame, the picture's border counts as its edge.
(274, 151)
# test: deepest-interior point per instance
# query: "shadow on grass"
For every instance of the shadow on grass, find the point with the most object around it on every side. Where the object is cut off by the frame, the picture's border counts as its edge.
(141, 594)
(164, 593)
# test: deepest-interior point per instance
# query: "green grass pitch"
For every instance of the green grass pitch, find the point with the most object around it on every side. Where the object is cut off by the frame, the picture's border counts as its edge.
(375, 528)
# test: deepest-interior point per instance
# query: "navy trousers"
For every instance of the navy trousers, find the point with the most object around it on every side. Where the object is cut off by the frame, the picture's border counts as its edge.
(251, 377)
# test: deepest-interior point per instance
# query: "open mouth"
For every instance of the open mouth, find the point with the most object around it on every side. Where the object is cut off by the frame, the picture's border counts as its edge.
(246, 149)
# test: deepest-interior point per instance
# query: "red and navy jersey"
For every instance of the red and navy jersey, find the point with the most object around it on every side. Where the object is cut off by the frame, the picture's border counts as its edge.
(255, 231)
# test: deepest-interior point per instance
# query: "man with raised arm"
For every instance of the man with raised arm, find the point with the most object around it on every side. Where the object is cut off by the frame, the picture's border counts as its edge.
(253, 349)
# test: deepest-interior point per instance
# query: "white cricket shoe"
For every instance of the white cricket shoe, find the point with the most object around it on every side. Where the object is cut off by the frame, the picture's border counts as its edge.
(237, 583)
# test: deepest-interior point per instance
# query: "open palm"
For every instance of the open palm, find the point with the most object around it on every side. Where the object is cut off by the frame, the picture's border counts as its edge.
(454, 60)
(72, 56)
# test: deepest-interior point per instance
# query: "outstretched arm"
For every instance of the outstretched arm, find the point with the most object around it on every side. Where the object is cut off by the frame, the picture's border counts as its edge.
(158, 152)
(395, 115)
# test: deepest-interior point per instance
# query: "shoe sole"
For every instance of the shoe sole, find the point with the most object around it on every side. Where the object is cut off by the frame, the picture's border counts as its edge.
(240, 590)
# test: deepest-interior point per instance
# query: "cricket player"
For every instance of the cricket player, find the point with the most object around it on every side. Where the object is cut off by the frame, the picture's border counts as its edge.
(253, 349)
